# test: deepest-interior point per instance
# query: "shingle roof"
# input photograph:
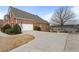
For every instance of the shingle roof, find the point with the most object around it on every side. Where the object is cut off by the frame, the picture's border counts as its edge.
(23, 14)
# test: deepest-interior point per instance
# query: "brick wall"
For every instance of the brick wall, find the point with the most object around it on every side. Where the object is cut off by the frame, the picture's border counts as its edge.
(12, 21)
(44, 27)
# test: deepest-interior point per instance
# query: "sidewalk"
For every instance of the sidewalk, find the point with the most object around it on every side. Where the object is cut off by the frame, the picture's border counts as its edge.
(3, 34)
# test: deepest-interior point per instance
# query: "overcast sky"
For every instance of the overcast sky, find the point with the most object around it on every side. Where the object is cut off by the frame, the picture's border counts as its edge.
(44, 12)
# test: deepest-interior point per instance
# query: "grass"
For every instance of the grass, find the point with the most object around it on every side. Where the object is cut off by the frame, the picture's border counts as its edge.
(13, 41)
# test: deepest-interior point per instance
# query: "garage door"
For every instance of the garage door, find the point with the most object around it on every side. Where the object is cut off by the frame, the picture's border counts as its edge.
(27, 27)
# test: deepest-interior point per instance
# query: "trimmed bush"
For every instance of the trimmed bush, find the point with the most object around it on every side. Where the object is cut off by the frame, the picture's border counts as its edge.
(7, 26)
(16, 29)
(37, 28)
(9, 31)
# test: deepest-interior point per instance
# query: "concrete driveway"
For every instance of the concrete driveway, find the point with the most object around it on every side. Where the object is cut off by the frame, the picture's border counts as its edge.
(72, 44)
(44, 42)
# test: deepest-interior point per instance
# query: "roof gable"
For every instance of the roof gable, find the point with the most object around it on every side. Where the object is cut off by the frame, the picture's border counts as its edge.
(23, 14)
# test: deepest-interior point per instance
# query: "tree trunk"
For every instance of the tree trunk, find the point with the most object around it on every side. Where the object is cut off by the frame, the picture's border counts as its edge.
(61, 27)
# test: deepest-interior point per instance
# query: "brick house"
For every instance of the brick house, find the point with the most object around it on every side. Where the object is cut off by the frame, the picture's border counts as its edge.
(1, 23)
(26, 20)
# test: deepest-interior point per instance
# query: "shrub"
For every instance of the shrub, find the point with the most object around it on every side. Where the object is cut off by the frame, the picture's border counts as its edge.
(9, 31)
(37, 28)
(7, 26)
(16, 29)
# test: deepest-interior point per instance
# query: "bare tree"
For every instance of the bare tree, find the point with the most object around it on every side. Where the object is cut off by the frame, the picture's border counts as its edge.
(62, 15)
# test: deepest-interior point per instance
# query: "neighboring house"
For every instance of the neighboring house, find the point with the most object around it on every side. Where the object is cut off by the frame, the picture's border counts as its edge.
(1, 23)
(26, 20)
(66, 28)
